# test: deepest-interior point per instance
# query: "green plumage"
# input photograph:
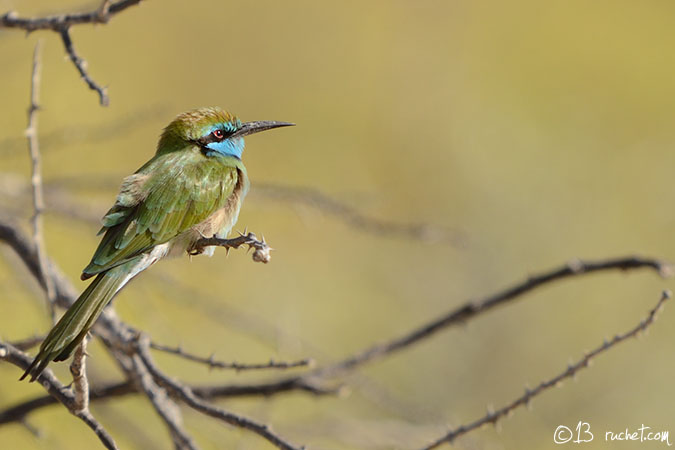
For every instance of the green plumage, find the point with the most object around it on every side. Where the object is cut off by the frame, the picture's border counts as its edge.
(177, 191)
(192, 188)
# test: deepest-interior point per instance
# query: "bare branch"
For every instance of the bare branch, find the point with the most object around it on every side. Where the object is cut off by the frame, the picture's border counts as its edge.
(165, 407)
(61, 24)
(18, 413)
(78, 370)
(261, 252)
(81, 66)
(186, 394)
(36, 174)
(215, 364)
(117, 335)
(472, 309)
(58, 391)
(58, 22)
(494, 416)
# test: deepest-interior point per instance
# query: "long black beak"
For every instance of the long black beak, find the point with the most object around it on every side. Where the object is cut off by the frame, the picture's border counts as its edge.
(256, 127)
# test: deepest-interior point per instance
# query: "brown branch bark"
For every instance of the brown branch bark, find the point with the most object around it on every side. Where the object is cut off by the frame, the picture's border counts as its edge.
(185, 394)
(121, 340)
(165, 407)
(59, 392)
(492, 417)
(78, 369)
(58, 22)
(36, 174)
(261, 251)
(212, 363)
(61, 24)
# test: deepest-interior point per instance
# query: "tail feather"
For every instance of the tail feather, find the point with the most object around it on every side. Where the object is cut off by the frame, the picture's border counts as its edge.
(67, 334)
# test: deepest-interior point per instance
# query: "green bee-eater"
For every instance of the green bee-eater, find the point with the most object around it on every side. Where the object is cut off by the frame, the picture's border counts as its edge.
(192, 188)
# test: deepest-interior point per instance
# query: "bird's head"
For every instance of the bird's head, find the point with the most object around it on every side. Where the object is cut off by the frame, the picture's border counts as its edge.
(214, 130)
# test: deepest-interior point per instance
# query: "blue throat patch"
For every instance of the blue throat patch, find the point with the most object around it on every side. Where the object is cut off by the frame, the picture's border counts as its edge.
(228, 147)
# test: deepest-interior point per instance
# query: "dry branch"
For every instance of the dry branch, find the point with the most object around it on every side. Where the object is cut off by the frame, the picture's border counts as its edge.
(492, 417)
(121, 341)
(165, 407)
(61, 24)
(212, 363)
(186, 394)
(261, 251)
(473, 309)
(59, 392)
(36, 174)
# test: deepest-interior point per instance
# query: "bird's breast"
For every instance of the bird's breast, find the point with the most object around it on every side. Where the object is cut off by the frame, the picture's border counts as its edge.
(219, 223)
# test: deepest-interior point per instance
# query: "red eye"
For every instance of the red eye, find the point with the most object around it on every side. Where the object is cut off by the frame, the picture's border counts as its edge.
(218, 134)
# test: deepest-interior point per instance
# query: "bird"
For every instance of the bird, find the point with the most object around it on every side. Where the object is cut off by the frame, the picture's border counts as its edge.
(193, 187)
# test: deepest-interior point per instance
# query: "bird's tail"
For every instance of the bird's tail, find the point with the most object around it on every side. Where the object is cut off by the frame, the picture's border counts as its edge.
(67, 334)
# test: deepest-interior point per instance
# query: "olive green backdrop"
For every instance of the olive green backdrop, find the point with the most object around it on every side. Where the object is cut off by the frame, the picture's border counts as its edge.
(533, 131)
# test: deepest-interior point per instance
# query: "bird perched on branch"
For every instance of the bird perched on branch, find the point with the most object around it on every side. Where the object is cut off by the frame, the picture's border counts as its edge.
(192, 188)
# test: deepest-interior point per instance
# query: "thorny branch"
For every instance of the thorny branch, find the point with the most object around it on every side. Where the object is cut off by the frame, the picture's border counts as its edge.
(120, 340)
(59, 392)
(165, 407)
(494, 416)
(81, 66)
(261, 251)
(314, 381)
(131, 349)
(472, 309)
(61, 24)
(212, 363)
(36, 173)
(188, 396)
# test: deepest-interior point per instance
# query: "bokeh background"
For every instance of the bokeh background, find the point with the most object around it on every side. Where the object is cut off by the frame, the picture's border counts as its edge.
(529, 132)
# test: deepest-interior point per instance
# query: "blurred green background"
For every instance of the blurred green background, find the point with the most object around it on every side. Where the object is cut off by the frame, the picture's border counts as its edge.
(535, 132)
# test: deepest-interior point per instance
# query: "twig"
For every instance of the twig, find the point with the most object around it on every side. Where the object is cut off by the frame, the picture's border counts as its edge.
(310, 381)
(57, 22)
(117, 335)
(472, 309)
(494, 416)
(61, 24)
(215, 364)
(58, 391)
(18, 412)
(165, 407)
(186, 394)
(78, 369)
(36, 175)
(261, 252)
(81, 66)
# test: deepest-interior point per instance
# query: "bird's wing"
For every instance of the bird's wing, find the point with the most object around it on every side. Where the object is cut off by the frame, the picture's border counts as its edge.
(159, 202)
